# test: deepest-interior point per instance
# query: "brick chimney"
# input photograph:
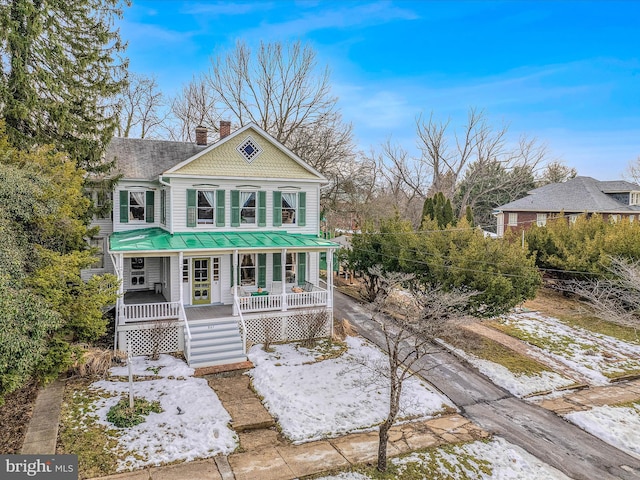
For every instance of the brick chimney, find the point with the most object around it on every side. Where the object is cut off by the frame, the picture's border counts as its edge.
(225, 128)
(201, 135)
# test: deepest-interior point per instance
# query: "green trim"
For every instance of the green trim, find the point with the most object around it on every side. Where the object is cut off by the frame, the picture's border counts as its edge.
(220, 214)
(302, 209)
(276, 273)
(302, 268)
(235, 208)
(158, 239)
(150, 203)
(191, 207)
(262, 270)
(262, 208)
(124, 206)
(277, 209)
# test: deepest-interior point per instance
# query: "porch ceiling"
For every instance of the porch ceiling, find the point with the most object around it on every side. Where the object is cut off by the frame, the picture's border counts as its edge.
(157, 239)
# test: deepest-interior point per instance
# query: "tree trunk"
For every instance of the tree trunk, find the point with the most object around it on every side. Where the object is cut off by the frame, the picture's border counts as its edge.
(382, 446)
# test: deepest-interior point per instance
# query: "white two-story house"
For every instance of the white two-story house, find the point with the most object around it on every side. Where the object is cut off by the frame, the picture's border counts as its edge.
(215, 245)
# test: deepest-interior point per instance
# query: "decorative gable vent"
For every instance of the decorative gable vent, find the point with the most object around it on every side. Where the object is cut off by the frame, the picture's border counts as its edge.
(249, 149)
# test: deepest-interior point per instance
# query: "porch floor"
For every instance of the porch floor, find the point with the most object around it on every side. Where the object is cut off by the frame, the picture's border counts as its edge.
(143, 296)
(205, 312)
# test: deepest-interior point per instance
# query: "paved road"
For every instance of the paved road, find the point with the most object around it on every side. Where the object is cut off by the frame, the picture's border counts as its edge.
(553, 440)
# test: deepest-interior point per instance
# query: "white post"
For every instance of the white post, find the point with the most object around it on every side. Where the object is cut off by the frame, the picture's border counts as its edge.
(234, 281)
(180, 268)
(283, 278)
(330, 278)
(130, 374)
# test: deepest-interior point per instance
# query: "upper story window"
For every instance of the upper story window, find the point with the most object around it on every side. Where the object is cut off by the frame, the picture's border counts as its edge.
(137, 206)
(206, 205)
(634, 198)
(249, 149)
(248, 207)
(289, 203)
(163, 207)
(289, 208)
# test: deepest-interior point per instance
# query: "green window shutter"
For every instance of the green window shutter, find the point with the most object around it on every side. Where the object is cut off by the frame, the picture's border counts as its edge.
(262, 270)
(277, 267)
(220, 220)
(302, 209)
(231, 270)
(150, 202)
(124, 206)
(277, 209)
(235, 208)
(262, 208)
(302, 268)
(191, 208)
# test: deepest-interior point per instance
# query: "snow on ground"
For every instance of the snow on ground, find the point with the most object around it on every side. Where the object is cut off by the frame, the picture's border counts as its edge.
(316, 399)
(618, 426)
(201, 431)
(518, 385)
(496, 459)
(597, 357)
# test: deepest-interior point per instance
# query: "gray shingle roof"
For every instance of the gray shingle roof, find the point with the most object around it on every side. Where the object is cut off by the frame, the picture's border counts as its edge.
(579, 194)
(145, 159)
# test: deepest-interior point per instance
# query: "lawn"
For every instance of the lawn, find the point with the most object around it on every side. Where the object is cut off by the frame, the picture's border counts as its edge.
(599, 358)
(479, 460)
(330, 391)
(192, 424)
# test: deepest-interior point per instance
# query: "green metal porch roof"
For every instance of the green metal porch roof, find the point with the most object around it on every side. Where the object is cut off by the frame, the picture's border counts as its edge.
(157, 239)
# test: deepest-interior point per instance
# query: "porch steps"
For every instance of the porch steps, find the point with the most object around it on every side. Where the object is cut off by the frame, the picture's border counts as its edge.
(215, 342)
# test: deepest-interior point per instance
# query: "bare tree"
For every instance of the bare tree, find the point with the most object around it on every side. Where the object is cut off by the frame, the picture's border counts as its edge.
(196, 105)
(615, 299)
(633, 170)
(141, 108)
(409, 327)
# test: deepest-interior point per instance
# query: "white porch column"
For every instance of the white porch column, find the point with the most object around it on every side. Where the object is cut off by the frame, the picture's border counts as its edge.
(330, 278)
(283, 278)
(234, 281)
(180, 268)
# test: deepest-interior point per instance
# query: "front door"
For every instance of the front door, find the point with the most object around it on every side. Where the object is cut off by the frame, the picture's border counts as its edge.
(201, 281)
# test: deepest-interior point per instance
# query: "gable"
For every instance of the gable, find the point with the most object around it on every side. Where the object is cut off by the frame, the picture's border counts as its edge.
(223, 159)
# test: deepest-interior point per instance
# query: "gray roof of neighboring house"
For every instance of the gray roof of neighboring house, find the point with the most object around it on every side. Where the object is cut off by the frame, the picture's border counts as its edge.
(144, 159)
(579, 194)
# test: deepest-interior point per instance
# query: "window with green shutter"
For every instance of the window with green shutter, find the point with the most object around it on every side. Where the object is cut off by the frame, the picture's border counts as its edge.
(277, 209)
(262, 208)
(191, 208)
(150, 204)
(262, 270)
(302, 209)
(220, 214)
(124, 206)
(235, 208)
(302, 268)
(277, 267)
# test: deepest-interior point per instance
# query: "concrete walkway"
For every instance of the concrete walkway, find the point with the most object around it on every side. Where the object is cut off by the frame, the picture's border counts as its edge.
(617, 393)
(42, 432)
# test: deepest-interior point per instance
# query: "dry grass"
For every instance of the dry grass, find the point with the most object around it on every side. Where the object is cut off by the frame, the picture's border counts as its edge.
(342, 329)
(96, 362)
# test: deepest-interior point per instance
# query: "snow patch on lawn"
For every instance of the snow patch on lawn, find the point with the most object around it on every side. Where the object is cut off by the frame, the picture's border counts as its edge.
(200, 431)
(595, 356)
(519, 385)
(618, 426)
(313, 399)
(473, 461)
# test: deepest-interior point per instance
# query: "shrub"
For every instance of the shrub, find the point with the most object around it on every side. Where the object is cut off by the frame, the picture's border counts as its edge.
(122, 416)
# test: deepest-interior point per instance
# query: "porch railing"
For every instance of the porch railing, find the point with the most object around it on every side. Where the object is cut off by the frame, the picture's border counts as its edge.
(138, 312)
(262, 303)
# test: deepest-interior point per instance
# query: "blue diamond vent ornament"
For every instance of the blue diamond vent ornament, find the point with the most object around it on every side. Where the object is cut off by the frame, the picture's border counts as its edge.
(249, 149)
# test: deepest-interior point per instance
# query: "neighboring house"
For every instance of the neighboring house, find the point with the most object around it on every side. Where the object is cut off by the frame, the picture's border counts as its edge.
(614, 200)
(216, 246)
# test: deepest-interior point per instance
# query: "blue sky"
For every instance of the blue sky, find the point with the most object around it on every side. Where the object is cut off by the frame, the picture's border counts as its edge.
(567, 73)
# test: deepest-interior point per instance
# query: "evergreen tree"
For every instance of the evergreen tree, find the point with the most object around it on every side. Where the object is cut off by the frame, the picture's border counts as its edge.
(60, 74)
(439, 209)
